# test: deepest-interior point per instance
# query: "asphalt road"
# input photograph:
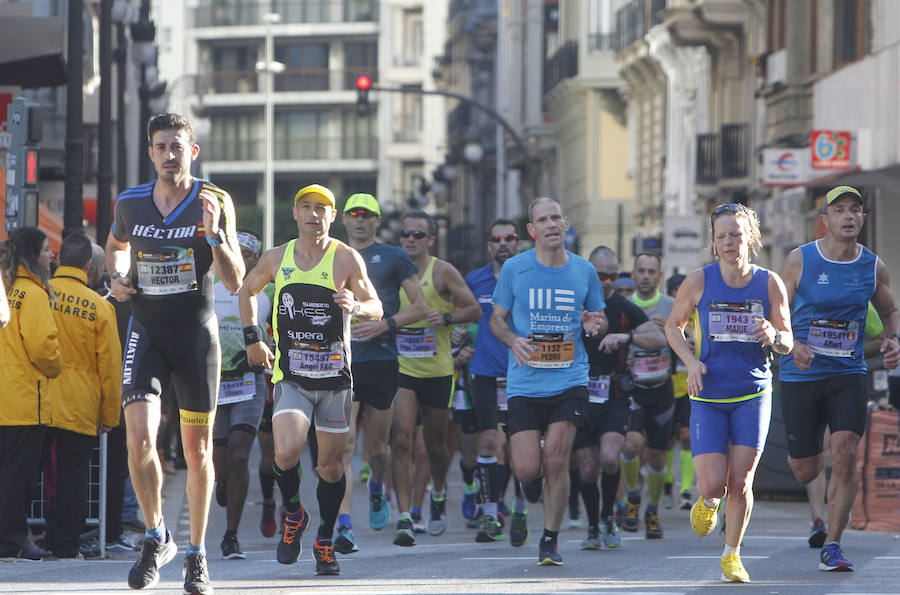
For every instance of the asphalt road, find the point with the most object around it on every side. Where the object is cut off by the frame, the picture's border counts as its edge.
(775, 553)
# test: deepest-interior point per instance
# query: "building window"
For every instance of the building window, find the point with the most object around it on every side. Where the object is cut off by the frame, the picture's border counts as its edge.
(359, 58)
(301, 134)
(233, 69)
(408, 122)
(413, 39)
(848, 31)
(306, 67)
(358, 135)
(235, 136)
(777, 22)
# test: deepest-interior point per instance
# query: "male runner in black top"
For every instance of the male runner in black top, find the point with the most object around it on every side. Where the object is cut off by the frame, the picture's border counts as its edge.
(168, 238)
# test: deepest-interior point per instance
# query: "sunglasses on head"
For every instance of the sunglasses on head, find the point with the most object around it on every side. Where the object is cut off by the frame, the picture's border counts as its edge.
(731, 207)
(510, 237)
(415, 233)
(607, 276)
(364, 213)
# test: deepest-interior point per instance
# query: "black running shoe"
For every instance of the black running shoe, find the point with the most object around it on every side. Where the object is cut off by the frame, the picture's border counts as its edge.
(231, 549)
(548, 555)
(293, 527)
(404, 535)
(323, 554)
(533, 489)
(154, 555)
(196, 575)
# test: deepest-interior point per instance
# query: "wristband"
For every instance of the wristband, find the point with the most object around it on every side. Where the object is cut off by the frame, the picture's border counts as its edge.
(116, 275)
(253, 334)
(391, 324)
(448, 319)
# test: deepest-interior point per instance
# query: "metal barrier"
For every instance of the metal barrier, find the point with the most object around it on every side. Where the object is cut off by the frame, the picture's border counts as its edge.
(96, 503)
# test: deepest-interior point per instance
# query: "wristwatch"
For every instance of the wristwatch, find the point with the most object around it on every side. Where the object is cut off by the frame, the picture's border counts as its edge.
(218, 238)
(448, 319)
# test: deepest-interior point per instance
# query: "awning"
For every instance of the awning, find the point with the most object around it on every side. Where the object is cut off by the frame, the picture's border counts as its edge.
(31, 54)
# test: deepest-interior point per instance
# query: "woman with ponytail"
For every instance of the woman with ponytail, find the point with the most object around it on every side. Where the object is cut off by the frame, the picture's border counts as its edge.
(29, 358)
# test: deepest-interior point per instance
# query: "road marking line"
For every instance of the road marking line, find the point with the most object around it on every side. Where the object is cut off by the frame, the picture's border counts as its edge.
(714, 557)
(504, 558)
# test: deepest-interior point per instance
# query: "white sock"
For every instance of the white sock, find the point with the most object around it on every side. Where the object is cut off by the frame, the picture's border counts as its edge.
(713, 504)
(731, 550)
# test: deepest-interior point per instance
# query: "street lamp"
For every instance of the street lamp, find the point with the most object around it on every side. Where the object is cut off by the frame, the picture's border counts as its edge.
(270, 68)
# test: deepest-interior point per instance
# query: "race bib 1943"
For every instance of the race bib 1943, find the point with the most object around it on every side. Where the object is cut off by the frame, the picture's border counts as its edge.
(416, 342)
(836, 338)
(730, 321)
(166, 273)
(552, 350)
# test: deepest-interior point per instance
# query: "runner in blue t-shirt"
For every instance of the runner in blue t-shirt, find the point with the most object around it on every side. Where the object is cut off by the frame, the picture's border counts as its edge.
(543, 300)
(488, 369)
(374, 358)
(823, 382)
(738, 310)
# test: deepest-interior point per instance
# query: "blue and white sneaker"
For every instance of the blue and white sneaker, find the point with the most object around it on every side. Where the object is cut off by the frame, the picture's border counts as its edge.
(832, 558)
(379, 511)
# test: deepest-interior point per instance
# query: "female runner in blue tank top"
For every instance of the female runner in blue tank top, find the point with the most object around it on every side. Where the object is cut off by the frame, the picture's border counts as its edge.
(739, 310)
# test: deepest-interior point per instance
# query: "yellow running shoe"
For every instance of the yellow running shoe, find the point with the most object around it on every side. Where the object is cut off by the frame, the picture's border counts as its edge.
(733, 570)
(703, 518)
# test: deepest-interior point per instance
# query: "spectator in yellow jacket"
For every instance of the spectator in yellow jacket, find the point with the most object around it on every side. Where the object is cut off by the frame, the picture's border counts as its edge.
(86, 398)
(4, 305)
(29, 358)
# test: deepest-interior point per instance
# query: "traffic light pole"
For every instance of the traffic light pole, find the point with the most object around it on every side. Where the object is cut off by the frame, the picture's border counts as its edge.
(530, 161)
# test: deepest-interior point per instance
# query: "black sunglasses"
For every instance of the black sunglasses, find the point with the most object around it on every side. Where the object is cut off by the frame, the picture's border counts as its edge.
(607, 276)
(731, 207)
(415, 233)
(510, 237)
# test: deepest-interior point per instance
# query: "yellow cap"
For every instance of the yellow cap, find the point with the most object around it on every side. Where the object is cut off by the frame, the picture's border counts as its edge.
(839, 191)
(322, 191)
(363, 201)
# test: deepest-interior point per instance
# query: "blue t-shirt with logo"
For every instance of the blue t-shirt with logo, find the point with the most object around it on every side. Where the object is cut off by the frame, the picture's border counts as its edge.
(828, 313)
(490, 354)
(546, 304)
(387, 267)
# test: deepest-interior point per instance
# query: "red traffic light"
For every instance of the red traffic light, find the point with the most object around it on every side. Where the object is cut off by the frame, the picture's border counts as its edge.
(363, 82)
(31, 167)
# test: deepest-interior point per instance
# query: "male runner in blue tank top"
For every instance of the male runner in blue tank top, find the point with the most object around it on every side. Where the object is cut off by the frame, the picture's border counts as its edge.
(544, 298)
(374, 350)
(488, 369)
(319, 283)
(168, 237)
(739, 310)
(823, 382)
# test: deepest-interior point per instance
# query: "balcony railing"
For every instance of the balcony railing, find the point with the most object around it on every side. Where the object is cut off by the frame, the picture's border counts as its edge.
(291, 79)
(293, 149)
(561, 65)
(232, 13)
(598, 42)
(475, 10)
(707, 159)
(735, 145)
(725, 155)
(231, 81)
(634, 20)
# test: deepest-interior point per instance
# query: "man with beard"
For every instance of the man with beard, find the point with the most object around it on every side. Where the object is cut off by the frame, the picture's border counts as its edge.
(488, 368)
(168, 238)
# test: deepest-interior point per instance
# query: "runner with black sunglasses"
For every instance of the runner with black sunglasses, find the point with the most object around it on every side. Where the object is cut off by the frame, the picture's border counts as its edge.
(426, 372)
